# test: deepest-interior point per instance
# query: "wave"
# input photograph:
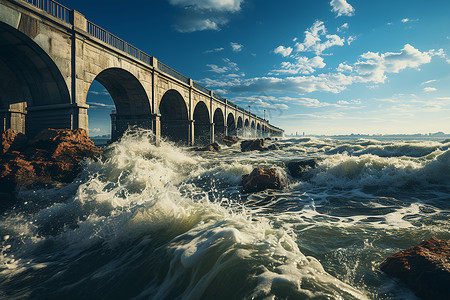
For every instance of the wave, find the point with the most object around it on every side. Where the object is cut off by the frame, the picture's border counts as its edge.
(344, 170)
(130, 227)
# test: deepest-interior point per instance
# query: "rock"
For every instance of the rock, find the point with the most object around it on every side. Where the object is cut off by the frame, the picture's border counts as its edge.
(52, 156)
(299, 168)
(11, 141)
(261, 179)
(211, 147)
(250, 145)
(425, 268)
(230, 140)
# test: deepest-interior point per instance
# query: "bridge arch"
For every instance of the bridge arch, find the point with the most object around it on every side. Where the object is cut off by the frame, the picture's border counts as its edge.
(231, 124)
(219, 124)
(174, 117)
(202, 124)
(246, 124)
(239, 126)
(130, 99)
(37, 82)
(258, 130)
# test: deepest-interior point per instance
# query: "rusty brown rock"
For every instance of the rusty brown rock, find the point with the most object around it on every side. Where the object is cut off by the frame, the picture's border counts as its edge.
(261, 179)
(251, 145)
(11, 141)
(230, 140)
(425, 268)
(52, 156)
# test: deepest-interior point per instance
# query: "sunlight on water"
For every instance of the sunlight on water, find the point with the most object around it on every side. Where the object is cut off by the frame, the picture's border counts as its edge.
(163, 222)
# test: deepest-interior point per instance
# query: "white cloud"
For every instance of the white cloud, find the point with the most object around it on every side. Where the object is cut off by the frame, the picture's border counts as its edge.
(99, 92)
(98, 105)
(302, 65)
(214, 50)
(94, 130)
(229, 67)
(351, 39)
(405, 20)
(429, 81)
(236, 47)
(199, 15)
(283, 51)
(343, 27)
(343, 67)
(443, 98)
(219, 5)
(314, 39)
(342, 8)
(429, 89)
(192, 25)
(374, 66)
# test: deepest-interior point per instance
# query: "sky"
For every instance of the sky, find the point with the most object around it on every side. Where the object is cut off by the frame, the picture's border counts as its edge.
(319, 67)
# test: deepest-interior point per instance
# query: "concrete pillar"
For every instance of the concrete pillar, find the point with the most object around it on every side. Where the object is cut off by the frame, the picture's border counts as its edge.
(72, 116)
(191, 138)
(225, 130)
(211, 136)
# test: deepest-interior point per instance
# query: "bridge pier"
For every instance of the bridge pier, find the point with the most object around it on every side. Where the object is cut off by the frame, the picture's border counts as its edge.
(211, 136)
(191, 139)
(72, 116)
(13, 117)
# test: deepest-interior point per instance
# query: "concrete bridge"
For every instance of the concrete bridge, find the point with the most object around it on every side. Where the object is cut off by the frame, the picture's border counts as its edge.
(50, 55)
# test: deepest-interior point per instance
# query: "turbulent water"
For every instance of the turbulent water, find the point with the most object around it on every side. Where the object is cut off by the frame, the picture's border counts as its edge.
(164, 222)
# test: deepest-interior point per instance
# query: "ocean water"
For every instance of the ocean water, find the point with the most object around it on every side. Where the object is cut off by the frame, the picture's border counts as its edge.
(165, 222)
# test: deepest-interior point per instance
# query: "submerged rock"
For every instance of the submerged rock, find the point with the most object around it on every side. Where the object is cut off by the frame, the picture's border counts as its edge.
(251, 145)
(52, 156)
(214, 147)
(261, 179)
(298, 168)
(425, 268)
(230, 140)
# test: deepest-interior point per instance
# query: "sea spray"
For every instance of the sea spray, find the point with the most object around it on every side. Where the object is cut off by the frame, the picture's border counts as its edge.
(162, 222)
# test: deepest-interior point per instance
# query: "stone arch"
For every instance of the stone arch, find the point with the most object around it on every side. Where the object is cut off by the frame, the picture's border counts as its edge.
(239, 126)
(130, 98)
(202, 124)
(231, 124)
(40, 80)
(219, 123)
(258, 129)
(246, 123)
(174, 117)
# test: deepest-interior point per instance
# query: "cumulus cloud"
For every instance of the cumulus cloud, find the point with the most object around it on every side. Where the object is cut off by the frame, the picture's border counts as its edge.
(342, 8)
(236, 47)
(284, 51)
(343, 67)
(199, 15)
(317, 40)
(99, 105)
(302, 65)
(343, 27)
(374, 66)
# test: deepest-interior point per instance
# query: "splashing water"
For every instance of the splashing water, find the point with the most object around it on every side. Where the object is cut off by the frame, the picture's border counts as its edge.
(162, 222)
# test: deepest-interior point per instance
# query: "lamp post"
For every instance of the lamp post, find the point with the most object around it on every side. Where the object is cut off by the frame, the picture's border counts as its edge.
(264, 115)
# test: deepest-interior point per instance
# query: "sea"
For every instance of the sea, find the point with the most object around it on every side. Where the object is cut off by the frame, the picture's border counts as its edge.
(166, 222)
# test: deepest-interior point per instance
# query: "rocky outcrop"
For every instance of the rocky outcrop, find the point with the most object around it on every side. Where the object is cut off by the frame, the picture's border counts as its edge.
(425, 268)
(214, 147)
(261, 179)
(52, 156)
(230, 140)
(298, 168)
(251, 145)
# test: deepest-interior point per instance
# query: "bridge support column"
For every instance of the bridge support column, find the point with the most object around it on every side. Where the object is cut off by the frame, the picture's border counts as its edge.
(225, 131)
(191, 138)
(13, 118)
(156, 127)
(59, 116)
(211, 136)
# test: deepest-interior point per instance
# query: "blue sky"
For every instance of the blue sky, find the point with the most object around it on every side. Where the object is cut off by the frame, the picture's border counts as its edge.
(322, 67)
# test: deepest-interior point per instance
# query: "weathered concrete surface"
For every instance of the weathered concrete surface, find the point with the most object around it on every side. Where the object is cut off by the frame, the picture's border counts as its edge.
(62, 59)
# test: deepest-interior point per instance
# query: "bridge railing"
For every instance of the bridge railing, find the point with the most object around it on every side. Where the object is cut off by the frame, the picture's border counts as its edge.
(169, 71)
(118, 43)
(201, 88)
(54, 8)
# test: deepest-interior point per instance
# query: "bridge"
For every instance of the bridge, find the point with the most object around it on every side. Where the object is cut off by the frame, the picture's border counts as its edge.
(50, 55)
